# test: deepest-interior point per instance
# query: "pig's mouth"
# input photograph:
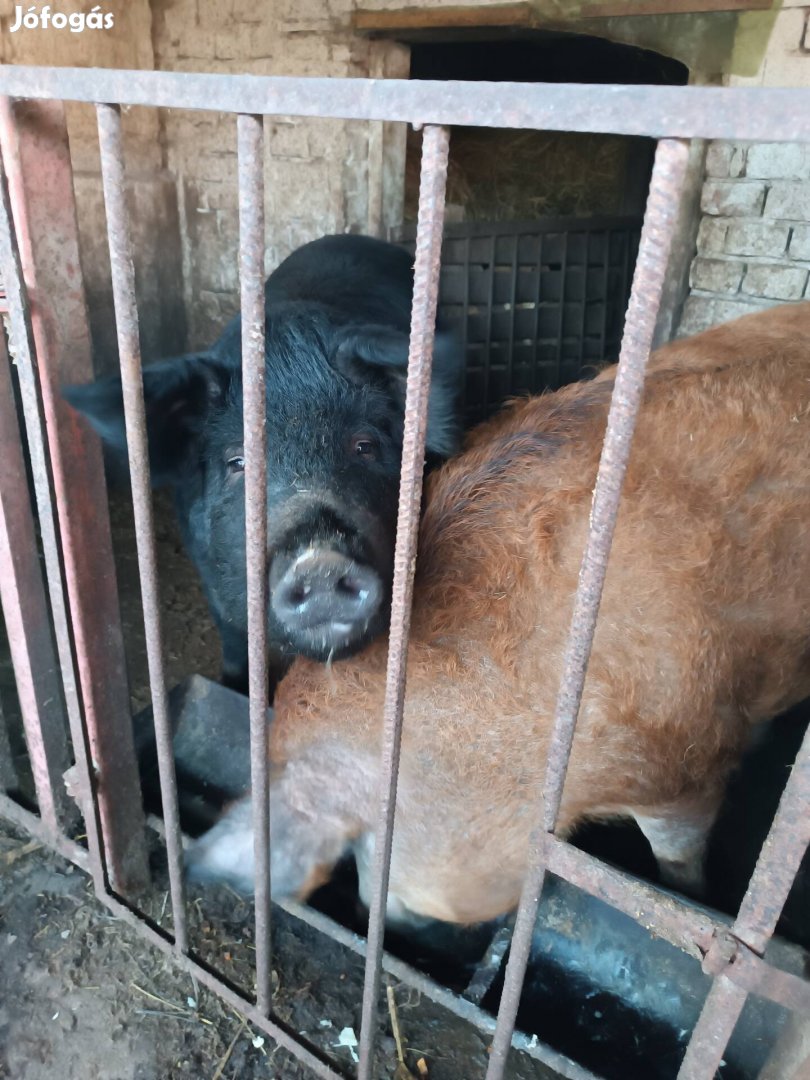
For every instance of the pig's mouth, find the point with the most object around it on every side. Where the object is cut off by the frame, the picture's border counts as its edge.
(329, 603)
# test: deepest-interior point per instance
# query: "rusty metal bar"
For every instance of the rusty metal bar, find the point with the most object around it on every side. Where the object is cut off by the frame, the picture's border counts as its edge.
(25, 609)
(773, 876)
(126, 319)
(713, 1030)
(250, 139)
(20, 324)
(52, 345)
(435, 147)
(779, 859)
(34, 825)
(689, 928)
(766, 114)
(659, 222)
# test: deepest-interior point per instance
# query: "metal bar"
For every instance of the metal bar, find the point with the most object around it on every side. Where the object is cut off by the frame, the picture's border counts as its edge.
(689, 928)
(25, 609)
(126, 319)
(668, 175)
(435, 146)
(23, 335)
(34, 825)
(55, 336)
(251, 272)
(763, 114)
(773, 876)
(711, 1033)
(779, 859)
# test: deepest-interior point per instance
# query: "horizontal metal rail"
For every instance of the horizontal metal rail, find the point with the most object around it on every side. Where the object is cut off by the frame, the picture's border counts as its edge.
(757, 113)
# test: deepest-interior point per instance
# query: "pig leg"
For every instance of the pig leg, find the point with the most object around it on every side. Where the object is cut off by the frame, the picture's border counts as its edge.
(678, 840)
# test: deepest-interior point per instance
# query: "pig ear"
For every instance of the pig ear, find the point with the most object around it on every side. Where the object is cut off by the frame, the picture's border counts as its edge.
(177, 395)
(387, 349)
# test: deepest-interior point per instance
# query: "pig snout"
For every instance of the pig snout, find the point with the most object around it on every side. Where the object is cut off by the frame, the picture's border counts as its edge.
(324, 593)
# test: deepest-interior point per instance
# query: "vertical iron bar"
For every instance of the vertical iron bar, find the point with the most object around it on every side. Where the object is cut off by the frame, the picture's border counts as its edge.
(22, 336)
(51, 344)
(659, 222)
(251, 273)
(126, 320)
(771, 881)
(25, 608)
(714, 1028)
(435, 146)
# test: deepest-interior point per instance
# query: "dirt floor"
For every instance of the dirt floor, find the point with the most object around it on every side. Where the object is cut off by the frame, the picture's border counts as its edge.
(82, 997)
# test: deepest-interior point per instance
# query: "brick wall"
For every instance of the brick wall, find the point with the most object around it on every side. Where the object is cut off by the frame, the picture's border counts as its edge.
(753, 245)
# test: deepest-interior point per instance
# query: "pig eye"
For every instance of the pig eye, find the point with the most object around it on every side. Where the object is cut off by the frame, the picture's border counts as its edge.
(365, 446)
(236, 464)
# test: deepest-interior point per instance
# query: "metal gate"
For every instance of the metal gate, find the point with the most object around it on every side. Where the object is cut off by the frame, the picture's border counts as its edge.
(82, 665)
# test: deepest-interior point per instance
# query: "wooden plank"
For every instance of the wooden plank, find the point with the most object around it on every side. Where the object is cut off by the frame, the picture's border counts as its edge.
(624, 8)
(496, 15)
(529, 16)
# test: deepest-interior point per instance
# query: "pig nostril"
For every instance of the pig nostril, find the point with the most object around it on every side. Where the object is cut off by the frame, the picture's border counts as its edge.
(350, 587)
(298, 594)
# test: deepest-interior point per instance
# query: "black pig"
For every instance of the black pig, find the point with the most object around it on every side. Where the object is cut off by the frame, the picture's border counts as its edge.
(337, 326)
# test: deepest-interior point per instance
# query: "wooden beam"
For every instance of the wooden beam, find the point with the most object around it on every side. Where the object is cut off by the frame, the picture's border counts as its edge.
(449, 18)
(532, 16)
(623, 8)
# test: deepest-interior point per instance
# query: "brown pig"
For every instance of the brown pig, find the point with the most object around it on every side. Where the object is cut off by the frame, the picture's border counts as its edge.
(703, 633)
